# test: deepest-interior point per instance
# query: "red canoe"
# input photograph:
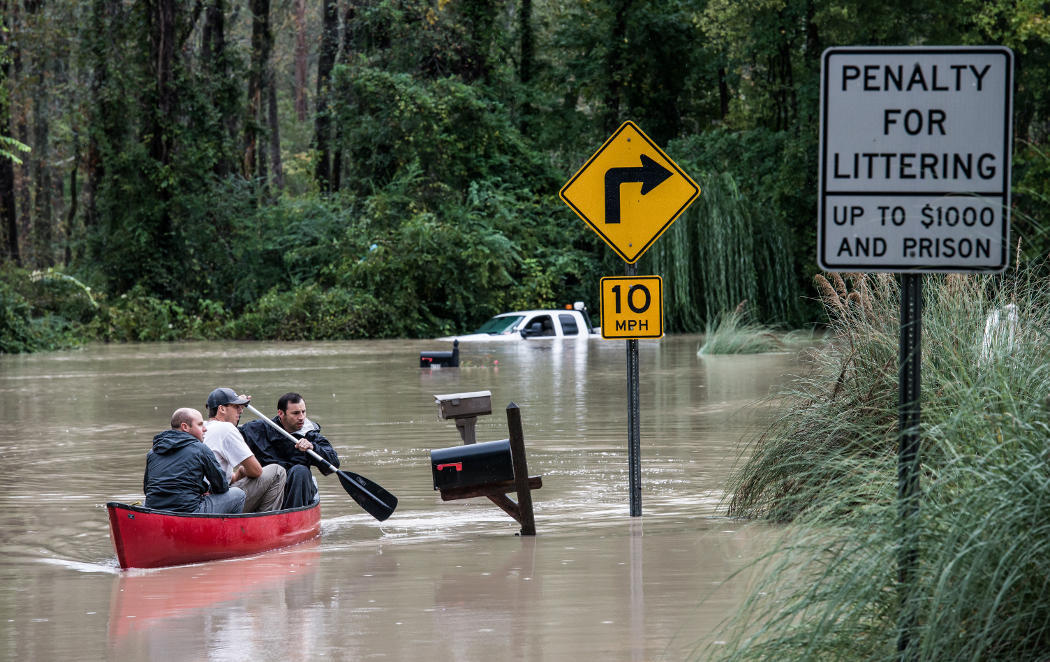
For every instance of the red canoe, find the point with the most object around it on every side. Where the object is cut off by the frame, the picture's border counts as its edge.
(146, 538)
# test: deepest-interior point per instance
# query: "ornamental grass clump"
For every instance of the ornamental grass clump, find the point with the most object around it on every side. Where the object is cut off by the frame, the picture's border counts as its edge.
(843, 415)
(828, 465)
(734, 334)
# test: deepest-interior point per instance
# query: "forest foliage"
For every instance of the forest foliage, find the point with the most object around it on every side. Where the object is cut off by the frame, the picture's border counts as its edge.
(389, 168)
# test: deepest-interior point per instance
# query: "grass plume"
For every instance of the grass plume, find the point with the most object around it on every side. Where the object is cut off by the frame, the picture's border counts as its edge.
(828, 465)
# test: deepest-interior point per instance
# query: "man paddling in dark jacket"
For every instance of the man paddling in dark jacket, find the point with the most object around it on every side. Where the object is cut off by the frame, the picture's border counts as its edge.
(181, 471)
(272, 447)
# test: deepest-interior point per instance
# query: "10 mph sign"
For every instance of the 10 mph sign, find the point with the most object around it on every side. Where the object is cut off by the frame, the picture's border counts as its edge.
(632, 307)
(915, 159)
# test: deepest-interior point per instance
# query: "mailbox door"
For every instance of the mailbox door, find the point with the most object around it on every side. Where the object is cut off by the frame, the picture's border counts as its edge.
(471, 465)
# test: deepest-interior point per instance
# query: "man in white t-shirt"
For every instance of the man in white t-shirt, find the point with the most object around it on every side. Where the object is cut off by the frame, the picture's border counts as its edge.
(263, 486)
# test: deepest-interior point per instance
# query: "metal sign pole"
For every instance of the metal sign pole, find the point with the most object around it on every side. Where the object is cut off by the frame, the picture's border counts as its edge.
(908, 458)
(634, 446)
(890, 219)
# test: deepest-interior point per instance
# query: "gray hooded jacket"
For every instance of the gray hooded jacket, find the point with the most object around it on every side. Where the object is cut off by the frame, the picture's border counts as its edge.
(179, 471)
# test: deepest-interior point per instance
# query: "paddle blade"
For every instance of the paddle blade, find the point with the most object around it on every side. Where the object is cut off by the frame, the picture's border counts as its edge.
(376, 501)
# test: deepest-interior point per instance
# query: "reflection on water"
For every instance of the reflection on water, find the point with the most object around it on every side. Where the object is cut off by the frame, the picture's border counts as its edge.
(438, 580)
(150, 608)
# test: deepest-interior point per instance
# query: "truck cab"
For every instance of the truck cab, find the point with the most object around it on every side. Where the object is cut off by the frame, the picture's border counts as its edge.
(568, 323)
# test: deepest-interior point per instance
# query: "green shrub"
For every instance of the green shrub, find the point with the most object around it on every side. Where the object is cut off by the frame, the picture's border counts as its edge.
(140, 317)
(17, 334)
(38, 314)
(313, 313)
(61, 294)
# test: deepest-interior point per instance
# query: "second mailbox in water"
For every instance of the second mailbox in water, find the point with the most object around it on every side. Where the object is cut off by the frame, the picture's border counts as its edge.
(472, 465)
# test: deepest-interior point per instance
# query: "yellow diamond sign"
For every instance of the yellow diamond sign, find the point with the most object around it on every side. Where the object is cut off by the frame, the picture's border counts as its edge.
(629, 192)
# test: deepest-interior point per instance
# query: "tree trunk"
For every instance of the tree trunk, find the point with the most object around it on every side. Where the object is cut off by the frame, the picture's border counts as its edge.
(479, 17)
(277, 167)
(266, 112)
(254, 166)
(104, 132)
(215, 63)
(162, 52)
(300, 59)
(812, 34)
(7, 211)
(23, 198)
(345, 51)
(162, 33)
(322, 121)
(723, 94)
(41, 231)
(8, 214)
(528, 42)
(71, 213)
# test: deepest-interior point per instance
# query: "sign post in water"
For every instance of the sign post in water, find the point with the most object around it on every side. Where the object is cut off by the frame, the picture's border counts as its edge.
(630, 192)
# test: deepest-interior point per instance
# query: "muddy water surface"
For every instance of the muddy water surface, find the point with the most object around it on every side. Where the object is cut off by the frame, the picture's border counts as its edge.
(438, 580)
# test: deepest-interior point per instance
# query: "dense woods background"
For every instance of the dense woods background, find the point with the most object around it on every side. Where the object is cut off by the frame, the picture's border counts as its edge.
(367, 168)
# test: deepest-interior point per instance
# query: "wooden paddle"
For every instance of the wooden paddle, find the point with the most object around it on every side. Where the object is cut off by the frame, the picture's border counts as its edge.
(376, 501)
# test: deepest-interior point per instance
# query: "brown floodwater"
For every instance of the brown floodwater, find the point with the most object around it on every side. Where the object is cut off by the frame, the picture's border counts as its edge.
(438, 580)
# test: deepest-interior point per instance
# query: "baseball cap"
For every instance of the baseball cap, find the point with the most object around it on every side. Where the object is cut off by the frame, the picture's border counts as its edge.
(225, 396)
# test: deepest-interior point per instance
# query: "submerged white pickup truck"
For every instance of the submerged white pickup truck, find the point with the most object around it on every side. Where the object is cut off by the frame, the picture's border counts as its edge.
(570, 323)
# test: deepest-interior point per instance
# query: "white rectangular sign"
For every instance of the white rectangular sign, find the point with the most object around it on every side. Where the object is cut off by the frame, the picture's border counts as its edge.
(915, 159)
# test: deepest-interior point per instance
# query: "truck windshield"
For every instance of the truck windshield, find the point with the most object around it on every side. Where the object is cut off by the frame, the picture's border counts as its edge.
(498, 325)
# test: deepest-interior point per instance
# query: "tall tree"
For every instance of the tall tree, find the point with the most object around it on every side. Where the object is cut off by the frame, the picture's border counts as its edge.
(527, 42)
(40, 173)
(19, 57)
(479, 18)
(322, 119)
(346, 50)
(104, 130)
(255, 160)
(276, 166)
(159, 211)
(8, 209)
(163, 36)
(300, 59)
(216, 66)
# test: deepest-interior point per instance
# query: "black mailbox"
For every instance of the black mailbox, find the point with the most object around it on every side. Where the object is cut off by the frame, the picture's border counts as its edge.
(440, 359)
(472, 465)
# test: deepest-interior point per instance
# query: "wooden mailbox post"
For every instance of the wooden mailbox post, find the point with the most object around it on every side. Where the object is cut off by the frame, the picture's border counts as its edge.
(465, 408)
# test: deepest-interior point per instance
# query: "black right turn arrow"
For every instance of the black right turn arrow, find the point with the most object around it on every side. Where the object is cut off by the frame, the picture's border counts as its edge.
(651, 174)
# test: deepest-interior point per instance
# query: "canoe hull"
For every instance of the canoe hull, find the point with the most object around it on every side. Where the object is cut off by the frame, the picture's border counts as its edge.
(145, 538)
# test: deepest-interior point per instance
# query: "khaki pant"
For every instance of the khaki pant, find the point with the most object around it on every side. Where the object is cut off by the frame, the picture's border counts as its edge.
(265, 492)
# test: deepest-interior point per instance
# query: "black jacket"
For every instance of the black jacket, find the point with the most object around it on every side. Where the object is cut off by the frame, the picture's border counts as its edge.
(272, 447)
(179, 470)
